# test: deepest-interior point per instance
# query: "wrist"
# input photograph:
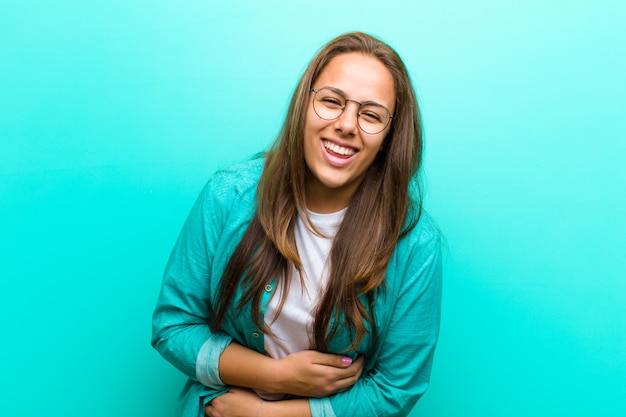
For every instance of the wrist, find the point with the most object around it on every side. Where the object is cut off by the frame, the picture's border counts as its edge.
(275, 376)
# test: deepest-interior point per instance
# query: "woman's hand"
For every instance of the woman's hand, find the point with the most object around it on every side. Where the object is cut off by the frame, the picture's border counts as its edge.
(241, 402)
(238, 402)
(306, 374)
(314, 374)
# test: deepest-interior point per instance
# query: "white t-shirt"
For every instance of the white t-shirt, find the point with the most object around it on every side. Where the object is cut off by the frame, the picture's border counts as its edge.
(293, 327)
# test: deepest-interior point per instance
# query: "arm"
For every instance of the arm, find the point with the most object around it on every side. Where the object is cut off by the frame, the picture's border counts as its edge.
(307, 373)
(402, 362)
(240, 402)
(180, 322)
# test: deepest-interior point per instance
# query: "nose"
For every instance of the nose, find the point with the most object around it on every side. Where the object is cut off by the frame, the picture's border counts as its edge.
(348, 121)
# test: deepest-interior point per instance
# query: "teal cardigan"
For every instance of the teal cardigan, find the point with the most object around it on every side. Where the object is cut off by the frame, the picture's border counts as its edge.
(407, 311)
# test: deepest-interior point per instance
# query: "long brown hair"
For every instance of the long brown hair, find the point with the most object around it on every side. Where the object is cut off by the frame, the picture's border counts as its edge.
(380, 212)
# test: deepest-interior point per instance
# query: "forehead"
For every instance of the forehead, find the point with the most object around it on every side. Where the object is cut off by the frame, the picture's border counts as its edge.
(360, 77)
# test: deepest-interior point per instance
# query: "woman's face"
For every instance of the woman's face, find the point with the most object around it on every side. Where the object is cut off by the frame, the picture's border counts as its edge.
(337, 152)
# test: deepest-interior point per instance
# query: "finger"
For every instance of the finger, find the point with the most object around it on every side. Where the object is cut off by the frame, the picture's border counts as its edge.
(337, 361)
(355, 368)
(359, 362)
(352, 373)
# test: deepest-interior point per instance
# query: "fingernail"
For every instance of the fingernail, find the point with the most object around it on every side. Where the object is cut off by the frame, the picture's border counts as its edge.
(346, 360)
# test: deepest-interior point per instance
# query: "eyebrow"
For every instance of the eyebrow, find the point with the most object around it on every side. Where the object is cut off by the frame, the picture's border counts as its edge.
(336, 90)
(345, 96)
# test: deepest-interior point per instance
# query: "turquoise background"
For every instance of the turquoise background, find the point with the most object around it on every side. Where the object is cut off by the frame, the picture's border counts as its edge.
(114, 113)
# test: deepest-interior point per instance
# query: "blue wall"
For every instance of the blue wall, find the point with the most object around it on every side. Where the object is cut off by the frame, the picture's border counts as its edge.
(113, 114)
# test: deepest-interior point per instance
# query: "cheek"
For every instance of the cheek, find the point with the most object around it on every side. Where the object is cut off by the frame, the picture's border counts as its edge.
(376, 144)
(308, 133)
(309, 141)
(313, 122)
(313, 126)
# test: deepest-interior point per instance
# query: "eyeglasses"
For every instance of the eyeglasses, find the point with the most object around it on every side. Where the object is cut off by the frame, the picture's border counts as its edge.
(329, 103)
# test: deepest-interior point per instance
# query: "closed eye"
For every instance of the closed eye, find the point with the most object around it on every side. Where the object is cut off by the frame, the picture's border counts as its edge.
(371, 117)
(331, 102)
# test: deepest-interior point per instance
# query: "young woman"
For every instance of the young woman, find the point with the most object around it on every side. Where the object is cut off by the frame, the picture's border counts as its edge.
(308, 282)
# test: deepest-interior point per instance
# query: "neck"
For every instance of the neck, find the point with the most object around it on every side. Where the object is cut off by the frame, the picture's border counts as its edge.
(324, 200)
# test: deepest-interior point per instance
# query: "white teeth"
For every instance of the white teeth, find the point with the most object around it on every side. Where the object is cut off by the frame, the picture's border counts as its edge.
(338, 149)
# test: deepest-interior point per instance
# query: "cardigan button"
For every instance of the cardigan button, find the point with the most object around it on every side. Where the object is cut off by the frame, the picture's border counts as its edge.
(268, 288)
(255, 335)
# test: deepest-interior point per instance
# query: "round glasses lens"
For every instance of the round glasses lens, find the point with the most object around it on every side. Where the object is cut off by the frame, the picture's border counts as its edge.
(328, 104)
(373, 117)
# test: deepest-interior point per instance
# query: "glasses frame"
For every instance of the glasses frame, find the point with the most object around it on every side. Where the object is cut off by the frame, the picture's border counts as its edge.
(361, 104)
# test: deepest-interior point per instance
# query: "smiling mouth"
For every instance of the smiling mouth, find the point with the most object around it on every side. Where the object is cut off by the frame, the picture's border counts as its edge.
(335, 149)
